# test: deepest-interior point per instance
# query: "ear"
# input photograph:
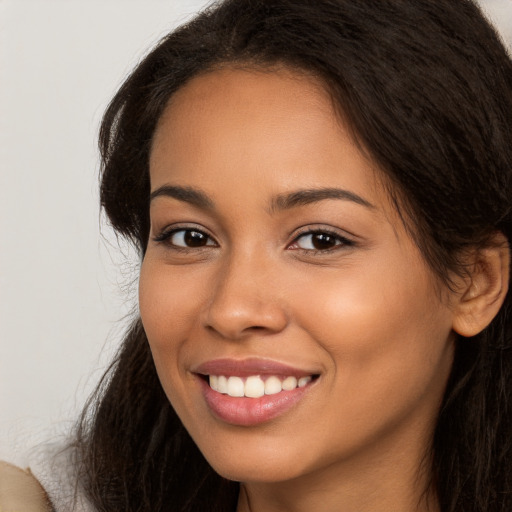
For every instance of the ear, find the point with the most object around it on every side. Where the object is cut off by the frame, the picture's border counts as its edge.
(484, 289)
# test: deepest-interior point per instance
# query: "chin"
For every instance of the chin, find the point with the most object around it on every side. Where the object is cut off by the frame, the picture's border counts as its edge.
(256, 460)
(259, 471)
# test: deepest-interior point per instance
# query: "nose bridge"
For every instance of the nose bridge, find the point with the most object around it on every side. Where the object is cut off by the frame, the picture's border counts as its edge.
(245, 296)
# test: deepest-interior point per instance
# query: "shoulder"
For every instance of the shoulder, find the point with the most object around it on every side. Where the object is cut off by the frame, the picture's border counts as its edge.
(20, 491)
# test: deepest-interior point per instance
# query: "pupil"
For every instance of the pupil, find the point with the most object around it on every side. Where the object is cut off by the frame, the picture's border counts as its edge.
(323, 241)
(195, 239)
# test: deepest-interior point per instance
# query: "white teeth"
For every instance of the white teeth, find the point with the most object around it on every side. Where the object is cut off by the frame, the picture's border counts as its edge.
(235, 386)
(222, 385)
(289, 383)
(214, 382)
(273, 386)
(254, 386)
(303, 381)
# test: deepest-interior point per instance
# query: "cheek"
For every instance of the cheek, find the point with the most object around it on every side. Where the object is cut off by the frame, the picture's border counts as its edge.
(168, 302)
(167, 307)
(386, 333)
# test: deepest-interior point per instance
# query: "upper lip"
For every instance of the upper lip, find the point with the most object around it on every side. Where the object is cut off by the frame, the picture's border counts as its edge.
(247, 367)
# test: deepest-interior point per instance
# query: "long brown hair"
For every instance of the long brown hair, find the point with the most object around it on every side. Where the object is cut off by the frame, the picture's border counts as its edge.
(426, 87)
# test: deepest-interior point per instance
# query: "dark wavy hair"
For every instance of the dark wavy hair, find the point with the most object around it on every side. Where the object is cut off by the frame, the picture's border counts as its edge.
(426, 88)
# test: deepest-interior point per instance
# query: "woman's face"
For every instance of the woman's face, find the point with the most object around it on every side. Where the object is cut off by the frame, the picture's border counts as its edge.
(277, 269)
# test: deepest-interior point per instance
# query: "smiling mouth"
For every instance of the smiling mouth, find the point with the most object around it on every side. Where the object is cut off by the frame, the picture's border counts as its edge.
(252, 391)
(256, 386)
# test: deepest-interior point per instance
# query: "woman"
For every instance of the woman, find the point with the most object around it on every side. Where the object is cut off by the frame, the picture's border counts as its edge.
(320, 193)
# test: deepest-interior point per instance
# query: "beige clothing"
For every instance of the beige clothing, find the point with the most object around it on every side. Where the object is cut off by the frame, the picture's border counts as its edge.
(20, 491)
(50, 485)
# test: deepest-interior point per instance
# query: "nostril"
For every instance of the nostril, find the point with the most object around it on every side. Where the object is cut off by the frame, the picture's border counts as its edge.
(239, 332)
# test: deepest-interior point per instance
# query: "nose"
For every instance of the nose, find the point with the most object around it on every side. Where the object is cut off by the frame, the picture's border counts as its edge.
(245, 300)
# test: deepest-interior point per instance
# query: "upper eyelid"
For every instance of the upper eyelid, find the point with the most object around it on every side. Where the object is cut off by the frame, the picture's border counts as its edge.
(312, 228)
(173, 228)
(344, 240)
(304, 230)
(316, 232)
(165, 234)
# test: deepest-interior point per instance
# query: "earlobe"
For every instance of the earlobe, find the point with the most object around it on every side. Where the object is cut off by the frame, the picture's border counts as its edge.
(485, 289)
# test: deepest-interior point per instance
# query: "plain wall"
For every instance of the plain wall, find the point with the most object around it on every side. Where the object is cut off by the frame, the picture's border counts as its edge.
(65, 286)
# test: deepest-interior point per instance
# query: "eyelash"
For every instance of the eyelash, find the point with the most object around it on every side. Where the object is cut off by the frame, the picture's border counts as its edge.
(166, 235)
(341, 241)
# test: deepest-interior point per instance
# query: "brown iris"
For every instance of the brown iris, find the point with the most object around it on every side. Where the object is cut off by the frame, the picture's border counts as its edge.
(195, 239)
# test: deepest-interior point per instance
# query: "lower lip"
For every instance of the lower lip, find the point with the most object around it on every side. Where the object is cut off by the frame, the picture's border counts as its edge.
(246, 412)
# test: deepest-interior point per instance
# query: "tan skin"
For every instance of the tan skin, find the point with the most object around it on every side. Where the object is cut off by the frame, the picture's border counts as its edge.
(333, 285)
(19, 490)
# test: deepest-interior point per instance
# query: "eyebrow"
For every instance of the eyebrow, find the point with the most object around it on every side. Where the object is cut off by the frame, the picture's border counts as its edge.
(186, 194)
(280, 202)
(308, 196)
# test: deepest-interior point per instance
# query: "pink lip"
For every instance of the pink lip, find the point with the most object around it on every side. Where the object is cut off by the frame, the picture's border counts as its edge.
(247, 412)
(244, 411)
(246, 367)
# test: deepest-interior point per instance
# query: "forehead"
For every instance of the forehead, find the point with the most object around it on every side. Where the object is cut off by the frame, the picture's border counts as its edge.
(234, 102)
(246, 122)
(228, 86)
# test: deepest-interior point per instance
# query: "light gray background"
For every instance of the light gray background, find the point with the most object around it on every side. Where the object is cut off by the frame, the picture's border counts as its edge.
(64, 282)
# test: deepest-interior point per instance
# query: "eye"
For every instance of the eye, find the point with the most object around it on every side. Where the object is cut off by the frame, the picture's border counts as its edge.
(186, 238)
(319, 241)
